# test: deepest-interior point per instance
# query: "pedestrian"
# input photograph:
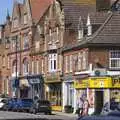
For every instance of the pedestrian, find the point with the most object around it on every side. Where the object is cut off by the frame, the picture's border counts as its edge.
(80, 107)
(85, 107)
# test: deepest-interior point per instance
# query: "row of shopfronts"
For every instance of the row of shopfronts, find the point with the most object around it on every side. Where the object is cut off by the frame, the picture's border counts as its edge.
(28, 87)
(97, 90)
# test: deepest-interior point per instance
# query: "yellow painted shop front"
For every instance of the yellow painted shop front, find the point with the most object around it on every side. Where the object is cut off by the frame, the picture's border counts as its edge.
(115, 89)
(95, 89)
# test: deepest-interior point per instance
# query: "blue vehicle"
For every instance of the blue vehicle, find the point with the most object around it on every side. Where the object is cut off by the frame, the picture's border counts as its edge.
(15, 104)
(25, 104)
(10, 104)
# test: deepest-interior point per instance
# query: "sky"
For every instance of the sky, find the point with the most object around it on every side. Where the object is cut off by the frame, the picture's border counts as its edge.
(4, 5)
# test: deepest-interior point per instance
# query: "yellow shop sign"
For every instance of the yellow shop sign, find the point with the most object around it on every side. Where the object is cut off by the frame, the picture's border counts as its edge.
(100, 82)
(116, 82)
(81, 83)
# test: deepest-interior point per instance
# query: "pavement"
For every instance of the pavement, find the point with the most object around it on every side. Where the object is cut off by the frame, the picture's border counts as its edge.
(65, 114)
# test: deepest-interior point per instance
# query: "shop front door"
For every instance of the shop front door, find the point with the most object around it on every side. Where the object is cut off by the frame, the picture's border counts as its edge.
(98, 101)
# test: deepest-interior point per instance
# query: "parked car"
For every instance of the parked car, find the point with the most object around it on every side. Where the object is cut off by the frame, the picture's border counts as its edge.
(2, 103)
(11, 103)
(43, 106)
(25, 104)
(15, 104)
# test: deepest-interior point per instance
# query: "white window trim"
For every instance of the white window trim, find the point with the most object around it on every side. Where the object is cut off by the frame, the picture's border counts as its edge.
(66, 64)
(37, 66)
(51, 60)
(25, 67)
(32, 67)
(71, 66)
(110, 59)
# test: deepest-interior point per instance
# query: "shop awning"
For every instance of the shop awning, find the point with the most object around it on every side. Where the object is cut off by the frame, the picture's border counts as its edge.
(24, 82)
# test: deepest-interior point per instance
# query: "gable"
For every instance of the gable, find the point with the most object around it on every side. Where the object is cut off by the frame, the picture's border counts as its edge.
(16, 10)
(38, 8)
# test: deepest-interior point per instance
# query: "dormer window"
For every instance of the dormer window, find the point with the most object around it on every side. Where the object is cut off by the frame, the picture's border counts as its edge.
(25, 19)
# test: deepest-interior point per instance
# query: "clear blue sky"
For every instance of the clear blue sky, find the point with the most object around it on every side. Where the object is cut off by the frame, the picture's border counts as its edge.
(4, 5)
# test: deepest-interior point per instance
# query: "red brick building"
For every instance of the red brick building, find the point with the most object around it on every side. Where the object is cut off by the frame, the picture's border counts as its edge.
(4, 62)
(91, 64)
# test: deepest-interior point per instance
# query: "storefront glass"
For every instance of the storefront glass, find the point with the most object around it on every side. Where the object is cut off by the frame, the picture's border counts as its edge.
(55, 94)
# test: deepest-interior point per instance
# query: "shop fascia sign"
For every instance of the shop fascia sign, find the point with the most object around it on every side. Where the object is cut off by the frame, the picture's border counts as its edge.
(93, 82)
(100, 82)
(100, 72)
(116, 82)
(34, 81)
(81, 83)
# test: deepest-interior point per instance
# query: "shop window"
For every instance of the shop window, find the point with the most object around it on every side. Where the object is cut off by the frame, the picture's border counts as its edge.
(114, 59)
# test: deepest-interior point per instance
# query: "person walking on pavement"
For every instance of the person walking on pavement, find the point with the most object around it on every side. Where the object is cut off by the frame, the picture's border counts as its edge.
(80, 107)
(85, 107)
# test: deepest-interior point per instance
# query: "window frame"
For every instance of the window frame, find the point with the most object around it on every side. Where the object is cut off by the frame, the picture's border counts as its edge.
(25, 66)
(52, 62)
(26, 41)
(114, 58)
